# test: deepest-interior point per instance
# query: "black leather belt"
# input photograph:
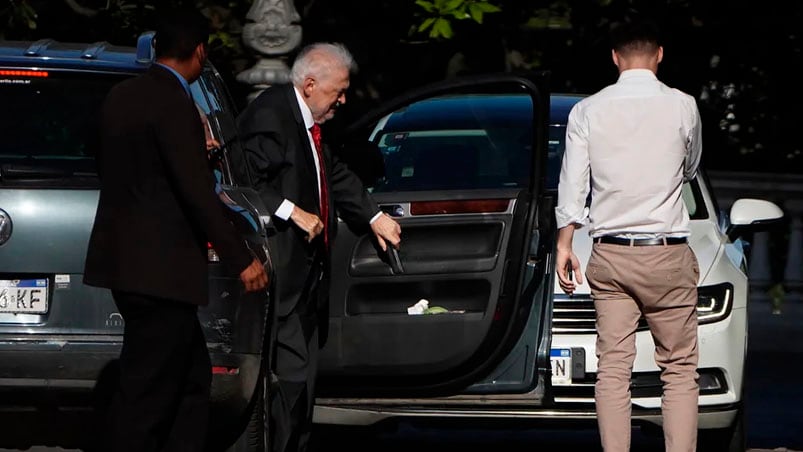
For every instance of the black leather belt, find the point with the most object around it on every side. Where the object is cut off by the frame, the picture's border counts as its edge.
(640, 242)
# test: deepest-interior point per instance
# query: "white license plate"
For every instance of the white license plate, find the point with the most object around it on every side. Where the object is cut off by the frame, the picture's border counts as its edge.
(23, 296)
(561, 359)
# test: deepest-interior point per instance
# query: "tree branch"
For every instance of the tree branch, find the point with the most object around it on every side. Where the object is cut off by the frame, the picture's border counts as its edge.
(82, 10)
(307, 7)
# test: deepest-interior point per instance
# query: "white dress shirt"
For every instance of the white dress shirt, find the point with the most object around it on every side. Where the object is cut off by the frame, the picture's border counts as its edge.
(633, 144)
(286, 207)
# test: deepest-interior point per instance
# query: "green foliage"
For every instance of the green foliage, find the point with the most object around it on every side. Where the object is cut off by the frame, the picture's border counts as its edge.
(119, 21)
(556, 15)
(224, 38)
(440, 13)
(777, 294)
(20, 15)
(718, 53)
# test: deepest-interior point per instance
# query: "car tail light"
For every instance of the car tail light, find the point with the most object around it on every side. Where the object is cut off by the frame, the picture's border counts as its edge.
(211, 254)
(225, 370)
(714, 302)
(17, 73)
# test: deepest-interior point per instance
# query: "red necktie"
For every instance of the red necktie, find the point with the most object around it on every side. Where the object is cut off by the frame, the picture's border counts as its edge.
(316, 137)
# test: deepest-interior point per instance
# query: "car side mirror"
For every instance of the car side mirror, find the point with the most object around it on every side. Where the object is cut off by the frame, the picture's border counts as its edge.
(752, 215)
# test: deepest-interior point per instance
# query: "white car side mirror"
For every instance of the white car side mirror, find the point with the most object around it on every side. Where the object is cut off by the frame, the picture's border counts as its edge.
(750, 215)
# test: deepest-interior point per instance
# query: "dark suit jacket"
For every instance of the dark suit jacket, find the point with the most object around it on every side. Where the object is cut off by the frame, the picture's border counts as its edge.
(157, 208)
(281, 166)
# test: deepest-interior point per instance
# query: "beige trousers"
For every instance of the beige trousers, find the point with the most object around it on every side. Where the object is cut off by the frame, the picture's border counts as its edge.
(660, 283)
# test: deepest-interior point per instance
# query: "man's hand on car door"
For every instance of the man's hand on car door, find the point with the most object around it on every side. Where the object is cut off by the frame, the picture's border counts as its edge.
(254, 277)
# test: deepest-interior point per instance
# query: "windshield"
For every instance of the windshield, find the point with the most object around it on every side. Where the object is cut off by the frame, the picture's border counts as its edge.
(48, 123)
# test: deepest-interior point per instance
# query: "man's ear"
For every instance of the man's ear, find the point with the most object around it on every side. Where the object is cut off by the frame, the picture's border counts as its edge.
(615, 57)
(309, 85)
(200, 52)
(660, 53)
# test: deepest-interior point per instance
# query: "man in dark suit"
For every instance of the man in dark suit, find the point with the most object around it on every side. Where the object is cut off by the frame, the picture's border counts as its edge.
(156, 213)
(301, 184)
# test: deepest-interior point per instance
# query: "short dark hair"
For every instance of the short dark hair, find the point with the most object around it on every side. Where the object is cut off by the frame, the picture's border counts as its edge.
(635, 34)
(179, 31)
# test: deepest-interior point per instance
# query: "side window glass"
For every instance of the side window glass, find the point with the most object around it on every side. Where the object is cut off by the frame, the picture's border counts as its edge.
(688, 199)
(222, 121)
(457, 143)
(693, 199)
(206, 110)
(555, 150)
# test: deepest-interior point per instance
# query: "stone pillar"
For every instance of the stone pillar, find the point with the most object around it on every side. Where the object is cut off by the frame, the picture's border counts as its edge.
(793, 271)
(274, 32)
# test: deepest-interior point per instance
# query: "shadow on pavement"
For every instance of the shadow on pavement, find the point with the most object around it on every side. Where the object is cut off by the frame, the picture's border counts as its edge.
(775, 375)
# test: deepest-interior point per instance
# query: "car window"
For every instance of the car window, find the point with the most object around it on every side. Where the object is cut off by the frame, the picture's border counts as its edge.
(689, 199)
(457, 143)
(221, 112)
(49, 124)
(476, 142)
(693, 198)
(555, 148)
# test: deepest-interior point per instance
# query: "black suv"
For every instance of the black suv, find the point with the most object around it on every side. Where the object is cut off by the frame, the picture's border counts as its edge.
(59, 339)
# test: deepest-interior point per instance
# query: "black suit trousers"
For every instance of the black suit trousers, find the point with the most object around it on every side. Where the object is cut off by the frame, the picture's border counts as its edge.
(296, 368)
(162, 400)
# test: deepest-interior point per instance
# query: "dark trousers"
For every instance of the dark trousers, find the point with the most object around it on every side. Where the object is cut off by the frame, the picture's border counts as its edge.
(162, 401)
(296, 367)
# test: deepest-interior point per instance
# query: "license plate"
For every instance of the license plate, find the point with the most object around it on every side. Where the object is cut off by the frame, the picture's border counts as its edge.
(23, 296)
(561, 360)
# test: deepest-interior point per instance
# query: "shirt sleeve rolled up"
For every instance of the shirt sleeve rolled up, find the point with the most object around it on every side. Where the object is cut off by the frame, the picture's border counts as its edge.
(573, 185)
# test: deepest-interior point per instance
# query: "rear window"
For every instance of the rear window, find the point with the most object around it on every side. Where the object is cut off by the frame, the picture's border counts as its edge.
(48, 125)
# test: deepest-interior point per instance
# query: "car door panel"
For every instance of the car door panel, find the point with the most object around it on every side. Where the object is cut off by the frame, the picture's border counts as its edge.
(429, 246)
(464, 280)
(466, 206)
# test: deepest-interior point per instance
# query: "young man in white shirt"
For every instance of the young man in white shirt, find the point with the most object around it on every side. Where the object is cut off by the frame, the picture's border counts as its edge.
(633, 144)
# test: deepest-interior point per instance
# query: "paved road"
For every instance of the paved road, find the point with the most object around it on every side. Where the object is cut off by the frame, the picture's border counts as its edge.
(775, 408)
(774, 376)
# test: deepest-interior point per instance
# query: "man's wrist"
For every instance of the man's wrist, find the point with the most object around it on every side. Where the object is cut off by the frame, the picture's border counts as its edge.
(285, 210)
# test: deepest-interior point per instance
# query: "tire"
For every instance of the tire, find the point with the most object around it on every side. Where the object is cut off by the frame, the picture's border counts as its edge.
(730, 439)
(254, 437)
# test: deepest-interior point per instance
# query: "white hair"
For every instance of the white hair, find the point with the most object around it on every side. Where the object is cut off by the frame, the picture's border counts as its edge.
(318, 59)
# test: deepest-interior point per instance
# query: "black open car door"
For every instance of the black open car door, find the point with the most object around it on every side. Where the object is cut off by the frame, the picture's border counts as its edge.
(460, 165)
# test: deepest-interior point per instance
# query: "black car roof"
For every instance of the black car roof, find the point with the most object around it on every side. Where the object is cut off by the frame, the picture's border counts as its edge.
(560, 105)
(457, 111)
(48, 53)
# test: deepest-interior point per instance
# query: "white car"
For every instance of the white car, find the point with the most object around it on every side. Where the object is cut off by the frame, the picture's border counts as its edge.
(469, 167)
(722, 315)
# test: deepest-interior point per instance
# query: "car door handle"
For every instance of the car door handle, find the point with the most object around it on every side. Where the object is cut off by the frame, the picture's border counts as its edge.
(395, 261)
(394, 210)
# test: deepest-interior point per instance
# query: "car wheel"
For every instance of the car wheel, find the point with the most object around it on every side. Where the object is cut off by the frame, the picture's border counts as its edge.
(730, 439)
(254, 437)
